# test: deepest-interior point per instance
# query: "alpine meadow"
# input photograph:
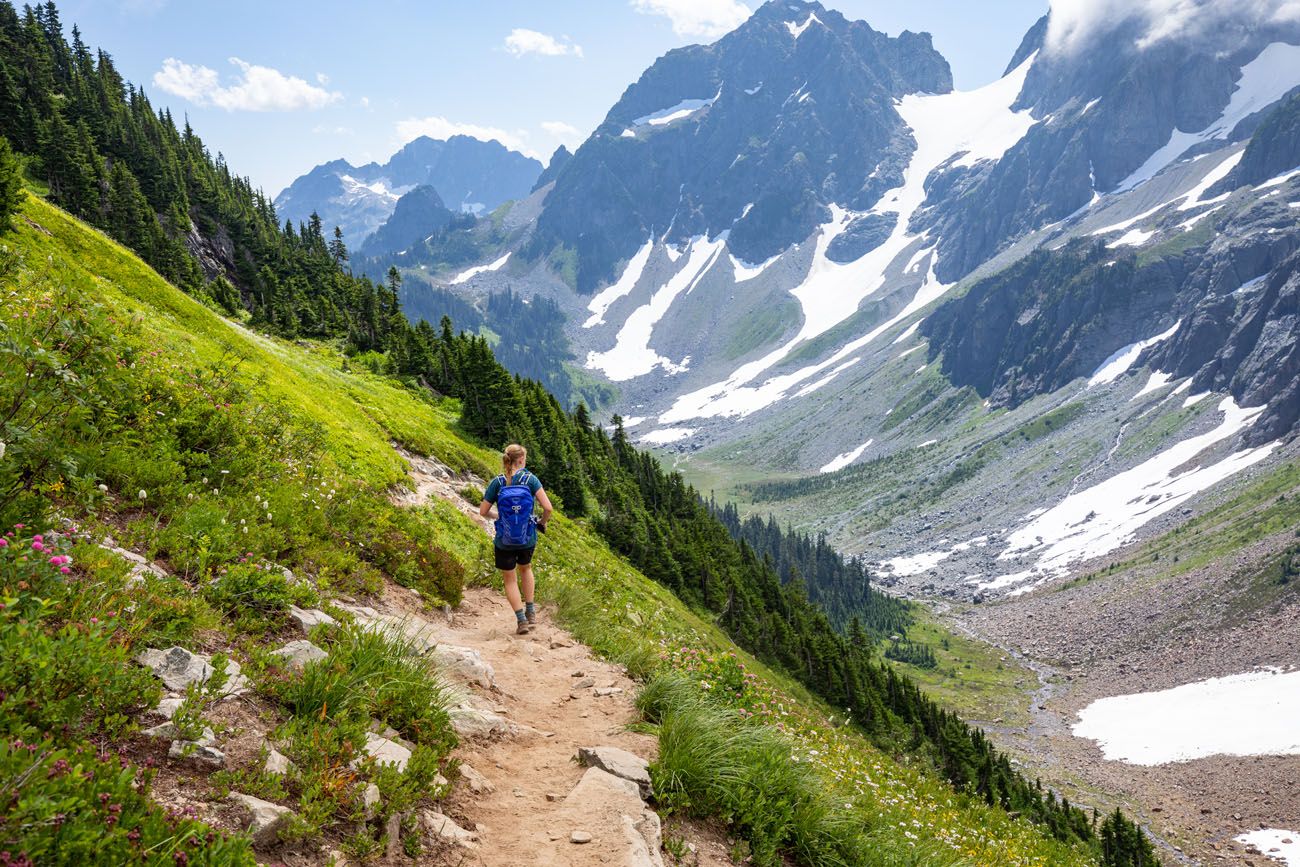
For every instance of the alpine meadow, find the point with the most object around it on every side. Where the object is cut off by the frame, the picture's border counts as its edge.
(905, 474)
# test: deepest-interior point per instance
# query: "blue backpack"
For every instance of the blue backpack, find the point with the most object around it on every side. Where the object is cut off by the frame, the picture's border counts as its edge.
(515, 528)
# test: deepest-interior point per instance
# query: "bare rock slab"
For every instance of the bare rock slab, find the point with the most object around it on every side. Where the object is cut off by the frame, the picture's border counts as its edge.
(472, 722)
(620, 763)
(478, 784)
(297, 654)
(609, 807)
(178, 668)
(262, 819)
(444, 828)
(386, 751)
(308, 619)
(465, 663)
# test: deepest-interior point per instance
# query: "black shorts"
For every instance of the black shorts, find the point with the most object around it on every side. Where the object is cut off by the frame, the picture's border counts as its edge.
(507, 558)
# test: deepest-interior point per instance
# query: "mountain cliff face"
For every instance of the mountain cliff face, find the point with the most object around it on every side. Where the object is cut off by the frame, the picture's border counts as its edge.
(801, 245)
(416, 216)
(756, 135)
(469, 174)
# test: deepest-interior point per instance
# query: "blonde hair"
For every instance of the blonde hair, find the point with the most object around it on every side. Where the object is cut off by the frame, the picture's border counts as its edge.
(515, 455)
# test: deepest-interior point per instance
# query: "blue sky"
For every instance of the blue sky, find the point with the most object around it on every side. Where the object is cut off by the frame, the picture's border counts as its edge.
(279, 86)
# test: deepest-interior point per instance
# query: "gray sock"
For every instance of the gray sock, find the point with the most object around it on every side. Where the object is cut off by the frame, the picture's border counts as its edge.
(529, 610)
(521, 616)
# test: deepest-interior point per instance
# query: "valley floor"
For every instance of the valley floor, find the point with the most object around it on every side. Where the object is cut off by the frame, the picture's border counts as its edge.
(1139, 631)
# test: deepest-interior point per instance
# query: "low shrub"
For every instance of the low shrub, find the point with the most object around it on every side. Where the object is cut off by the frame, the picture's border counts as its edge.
(61, 806)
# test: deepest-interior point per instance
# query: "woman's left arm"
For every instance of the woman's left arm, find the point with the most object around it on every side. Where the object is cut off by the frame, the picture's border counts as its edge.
(546, 505)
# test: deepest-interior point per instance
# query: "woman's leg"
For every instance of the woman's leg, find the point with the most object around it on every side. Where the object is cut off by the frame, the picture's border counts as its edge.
(512, 588)
(526, 580)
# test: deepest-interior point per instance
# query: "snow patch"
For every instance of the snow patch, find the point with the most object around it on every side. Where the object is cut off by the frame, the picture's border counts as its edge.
(1264, 80)
(916, 564)
(1158, 380)
(927, 443)
(479, 269)
(1250, 285)
(1106, 516)
(1279, 180)
(839, 462)
(624, 285)
(753, 90)
(1123, 359)
(680, 111)
(796, 30)
(911, 329)
(1250, 714)
(633, 421)
(631, 355)
(745, 271)
(667, 435)
(1275, 843)
(1131, 238)
(1194, 399)
(978, 125)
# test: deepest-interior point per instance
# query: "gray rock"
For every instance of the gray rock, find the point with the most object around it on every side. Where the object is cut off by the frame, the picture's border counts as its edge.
(178, 668)
(277, 762)
(386, 751)
(444, 828)
(602, 691)
(197, 751)
(168, 707)
(309, 618)
(621, 764)
(478, 784)
(262, 819)
(585, 683)
(580, 837)
(298, 653)
(466, 664)
(625, 823)
(472, 722)
(370, 800)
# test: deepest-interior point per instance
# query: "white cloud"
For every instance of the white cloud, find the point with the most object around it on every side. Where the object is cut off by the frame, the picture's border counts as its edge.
(441, 128)
(255, 88)
(522, 41)
(704, 19)
(565, 133)
(1073, 23)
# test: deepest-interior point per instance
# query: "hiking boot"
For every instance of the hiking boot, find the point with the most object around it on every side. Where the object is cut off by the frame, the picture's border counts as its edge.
(532, 618)
(523, 628)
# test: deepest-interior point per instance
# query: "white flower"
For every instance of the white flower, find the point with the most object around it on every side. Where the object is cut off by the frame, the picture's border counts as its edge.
(144, 495)
(103, 489)
(2, 448)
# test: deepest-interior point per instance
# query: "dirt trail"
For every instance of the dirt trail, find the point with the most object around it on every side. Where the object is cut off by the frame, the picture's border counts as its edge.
(560, 697)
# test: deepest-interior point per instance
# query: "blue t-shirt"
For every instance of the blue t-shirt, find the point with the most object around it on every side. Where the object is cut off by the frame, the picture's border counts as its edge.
(522, 477)
(494, 486)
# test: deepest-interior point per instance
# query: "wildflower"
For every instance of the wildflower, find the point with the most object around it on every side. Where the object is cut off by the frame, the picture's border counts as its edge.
(2, 448)
(103, 489)
(4, 543)
(65, 570)
(37, 546)
(143, 494)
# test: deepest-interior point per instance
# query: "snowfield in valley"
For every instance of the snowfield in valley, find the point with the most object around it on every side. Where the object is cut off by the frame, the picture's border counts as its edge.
(1252, 714)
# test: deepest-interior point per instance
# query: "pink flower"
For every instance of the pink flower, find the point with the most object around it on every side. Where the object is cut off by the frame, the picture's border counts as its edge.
(65, 570)
(38, 538)
(37, 546)
(4, 543)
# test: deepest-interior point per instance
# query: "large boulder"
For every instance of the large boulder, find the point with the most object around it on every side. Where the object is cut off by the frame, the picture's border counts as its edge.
(263, 820)
(621, 764)
(466, 664)
(297, 654)
(178, 668)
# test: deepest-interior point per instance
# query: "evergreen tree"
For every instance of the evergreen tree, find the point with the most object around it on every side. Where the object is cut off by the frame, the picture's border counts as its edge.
(11, 183)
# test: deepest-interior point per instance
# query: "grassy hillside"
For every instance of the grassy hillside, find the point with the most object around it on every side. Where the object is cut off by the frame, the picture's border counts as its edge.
(227, 456)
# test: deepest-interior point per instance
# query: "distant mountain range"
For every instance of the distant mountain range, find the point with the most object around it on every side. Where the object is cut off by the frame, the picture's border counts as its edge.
(804, 226)
(467, 174)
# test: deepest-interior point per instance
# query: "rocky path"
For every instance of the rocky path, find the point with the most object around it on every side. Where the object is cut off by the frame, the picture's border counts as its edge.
(525, 796)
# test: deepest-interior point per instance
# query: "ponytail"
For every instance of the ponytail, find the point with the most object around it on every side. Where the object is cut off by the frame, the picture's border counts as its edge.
(514, 455)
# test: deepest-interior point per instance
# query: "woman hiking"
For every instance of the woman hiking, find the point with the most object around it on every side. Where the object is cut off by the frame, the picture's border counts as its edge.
(513, 493)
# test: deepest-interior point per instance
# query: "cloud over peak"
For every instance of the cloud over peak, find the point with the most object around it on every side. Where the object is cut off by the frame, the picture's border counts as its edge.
(255, 88)
(523, 41)
(697, 19)
(1074, 23)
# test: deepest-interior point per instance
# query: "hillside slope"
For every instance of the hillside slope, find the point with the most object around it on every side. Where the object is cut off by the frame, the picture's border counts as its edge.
(192, 394)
